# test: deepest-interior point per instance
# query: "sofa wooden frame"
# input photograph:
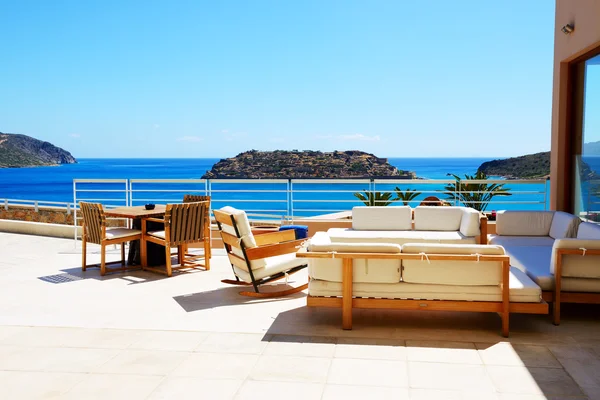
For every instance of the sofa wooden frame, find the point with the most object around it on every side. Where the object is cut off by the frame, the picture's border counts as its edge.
(557, 296)
(347, 302)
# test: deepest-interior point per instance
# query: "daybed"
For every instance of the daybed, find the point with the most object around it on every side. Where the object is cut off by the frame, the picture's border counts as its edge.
(556, 250)
(395, 225)
(417, 276)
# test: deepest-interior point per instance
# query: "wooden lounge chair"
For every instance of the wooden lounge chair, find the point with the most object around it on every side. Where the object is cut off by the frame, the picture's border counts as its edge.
(191, 198)
(95, 231)
(184, 224)
(257, 260)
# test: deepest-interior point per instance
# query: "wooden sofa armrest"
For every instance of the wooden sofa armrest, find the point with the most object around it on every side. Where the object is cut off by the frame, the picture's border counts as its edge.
(272, 250)
(275, 237)
(483, 229)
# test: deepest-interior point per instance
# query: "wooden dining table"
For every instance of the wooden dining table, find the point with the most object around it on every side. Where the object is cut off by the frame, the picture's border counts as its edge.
(138, 213)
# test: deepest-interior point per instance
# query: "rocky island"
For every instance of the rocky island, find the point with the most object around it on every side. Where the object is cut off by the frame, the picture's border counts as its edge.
(295, 164)
(24, 151)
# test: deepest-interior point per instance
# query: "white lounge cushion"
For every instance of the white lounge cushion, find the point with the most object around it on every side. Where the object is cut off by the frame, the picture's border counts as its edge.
(509, 241)
(588, 230)
(521, 289)
(115, 233)
(427, 271)
(564, 225)
(469, 224)
(535, 262)
(438, 218)
(524, 223)
(398, 237)
(243, 225)
(382, 218)
(273, 265)
(577, 266)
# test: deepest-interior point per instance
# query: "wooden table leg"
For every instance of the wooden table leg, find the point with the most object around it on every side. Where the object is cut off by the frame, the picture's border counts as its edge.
(347, 294)
(143, 246)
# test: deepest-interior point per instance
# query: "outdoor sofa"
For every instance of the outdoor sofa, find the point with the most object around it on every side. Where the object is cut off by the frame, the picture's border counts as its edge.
(556, 250)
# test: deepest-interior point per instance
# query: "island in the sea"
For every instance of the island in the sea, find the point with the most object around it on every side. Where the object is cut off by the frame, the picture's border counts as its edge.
(24, 151)
(295, 164)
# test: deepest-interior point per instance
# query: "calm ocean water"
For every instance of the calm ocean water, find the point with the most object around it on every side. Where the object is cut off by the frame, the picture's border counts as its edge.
(56, 184)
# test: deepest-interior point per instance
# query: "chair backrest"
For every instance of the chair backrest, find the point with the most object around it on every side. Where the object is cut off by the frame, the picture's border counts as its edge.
(184, 223)
(94, 221)
(194, 198)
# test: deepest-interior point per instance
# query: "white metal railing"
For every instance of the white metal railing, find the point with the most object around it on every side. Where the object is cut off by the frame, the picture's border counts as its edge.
(36, 204)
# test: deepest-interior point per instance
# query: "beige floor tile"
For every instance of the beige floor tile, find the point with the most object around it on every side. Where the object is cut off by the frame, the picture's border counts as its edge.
(143, 362)
(291, 369)
(384, 373)
(193, 388)
(260, 390)
(38, 337)
(437, 394)
(353, 392)
(427, 375)
(169, 340)
(36, 385)
(533, 380)
(372, 349)
(582, 363)
(520, 396)
(442, 352)
(242, 343)
(592, 392)
(517, 355)
(303, 346)
(217, 366)
(56, 359)
(102, 338)
(8, 331)
(114, 387)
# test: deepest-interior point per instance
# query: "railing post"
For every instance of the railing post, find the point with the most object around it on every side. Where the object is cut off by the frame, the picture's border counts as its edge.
(75, 213)
(35, 206)
(68, 209)
(290, 198)
(6, 204)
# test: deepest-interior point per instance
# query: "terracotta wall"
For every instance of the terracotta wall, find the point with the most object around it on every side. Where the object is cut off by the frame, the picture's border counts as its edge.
(585, 39)
(48, 215)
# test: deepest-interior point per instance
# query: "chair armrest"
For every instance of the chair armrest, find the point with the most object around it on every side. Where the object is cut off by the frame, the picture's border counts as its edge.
(272, 250)
(573, 248)
(275, 237)
(589, 244)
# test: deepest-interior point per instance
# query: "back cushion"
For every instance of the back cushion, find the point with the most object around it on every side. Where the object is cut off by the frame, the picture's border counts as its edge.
(564, 225)
(588, 230)
(524, 223)
(469, 224)
(468, 273)
(438, 218)
(243, 226)
(382, 218)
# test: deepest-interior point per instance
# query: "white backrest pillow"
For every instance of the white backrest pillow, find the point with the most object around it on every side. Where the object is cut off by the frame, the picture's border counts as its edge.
(564, 225)
(382, 218)
(524, 223)
(243, 225)
(429, 218)
(469, 224)
(588, 230)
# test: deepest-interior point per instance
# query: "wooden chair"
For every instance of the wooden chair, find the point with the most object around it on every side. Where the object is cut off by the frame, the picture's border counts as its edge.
(184, 224)
(257, 260)
(191, 198)
(95, 231)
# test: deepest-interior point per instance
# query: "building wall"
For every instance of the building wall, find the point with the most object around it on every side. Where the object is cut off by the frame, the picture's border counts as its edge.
(568, 49)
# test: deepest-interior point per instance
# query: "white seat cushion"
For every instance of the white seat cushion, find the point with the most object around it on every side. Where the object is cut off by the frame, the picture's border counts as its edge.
(158, 234)
(115, 233)
(535, 262)
(509, 241)
(438, 218)
(521, 289)
(273, 265)
(382, 218)
(397, 237)
(524, 223)
(427, 271)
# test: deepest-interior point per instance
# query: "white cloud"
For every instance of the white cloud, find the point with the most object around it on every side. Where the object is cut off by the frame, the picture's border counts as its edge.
(75, 135)
(189, 139)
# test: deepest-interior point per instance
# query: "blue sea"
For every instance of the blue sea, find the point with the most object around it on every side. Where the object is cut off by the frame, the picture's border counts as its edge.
(309, 198)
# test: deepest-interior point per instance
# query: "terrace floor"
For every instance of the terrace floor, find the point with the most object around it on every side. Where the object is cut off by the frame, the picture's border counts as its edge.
(138, 335)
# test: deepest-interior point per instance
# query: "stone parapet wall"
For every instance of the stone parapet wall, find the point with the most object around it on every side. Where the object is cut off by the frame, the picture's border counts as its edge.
(50, 215)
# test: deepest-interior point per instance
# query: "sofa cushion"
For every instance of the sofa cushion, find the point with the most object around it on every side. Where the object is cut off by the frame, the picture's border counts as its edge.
(509, 241)
(243, 225)
(273, 265)
(535, 262)
(398, 237)
(469, 223)
(521, 289)
(451, 272)
(438, 218)
(382, 218)
(524, 223)
(564, 225)
(588, 230)
(577, 266)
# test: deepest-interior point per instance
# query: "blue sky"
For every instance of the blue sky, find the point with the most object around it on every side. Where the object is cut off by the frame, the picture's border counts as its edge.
(215, 78)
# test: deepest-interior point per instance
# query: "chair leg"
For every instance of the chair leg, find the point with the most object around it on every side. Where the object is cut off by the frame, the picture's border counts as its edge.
(168, 260)
(103, 259)
(83, 253)
(123, 254)
(181, 250)
(207, 254)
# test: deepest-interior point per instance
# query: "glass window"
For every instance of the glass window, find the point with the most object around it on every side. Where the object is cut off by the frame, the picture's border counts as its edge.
(587, 163)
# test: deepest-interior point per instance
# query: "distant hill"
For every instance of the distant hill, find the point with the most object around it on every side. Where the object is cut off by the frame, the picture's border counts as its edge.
(24, 151)
(305, 164)
(531, 165)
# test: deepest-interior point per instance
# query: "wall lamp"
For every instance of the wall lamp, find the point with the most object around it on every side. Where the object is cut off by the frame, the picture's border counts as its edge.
(567, 29)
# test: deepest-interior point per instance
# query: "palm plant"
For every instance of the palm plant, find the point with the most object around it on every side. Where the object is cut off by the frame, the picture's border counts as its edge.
(474, 195)
(407, 196)
(375, 198)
